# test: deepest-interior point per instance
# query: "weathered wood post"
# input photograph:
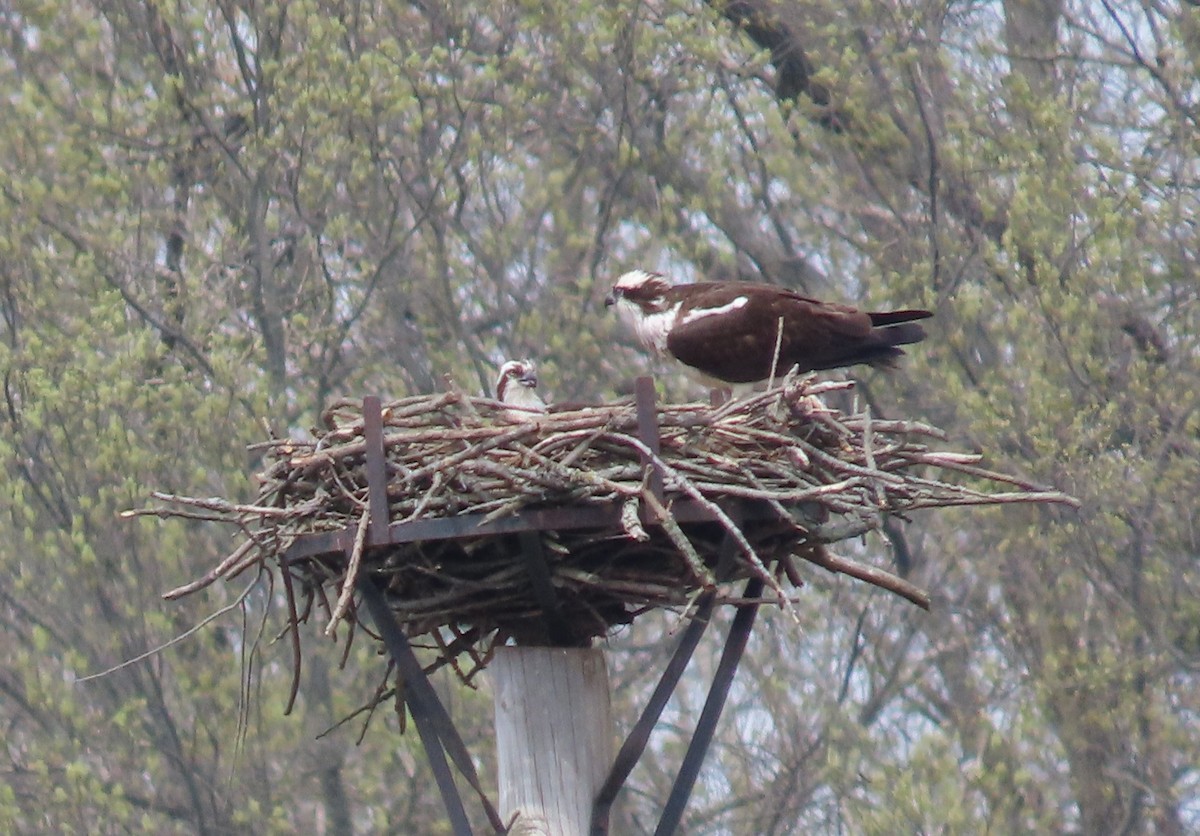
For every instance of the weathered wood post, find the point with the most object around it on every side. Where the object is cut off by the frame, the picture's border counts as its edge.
(554, 736)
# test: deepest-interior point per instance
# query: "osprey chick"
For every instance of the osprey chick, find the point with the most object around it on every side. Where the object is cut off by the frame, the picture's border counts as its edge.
(730, 330)
(516, 387)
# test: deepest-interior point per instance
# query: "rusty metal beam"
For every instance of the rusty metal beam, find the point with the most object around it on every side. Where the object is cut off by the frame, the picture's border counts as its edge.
(376, 470)
(647, 424)
(558, 631)
(689, 769)
(433, 723)
(685, 511)
(639, 736)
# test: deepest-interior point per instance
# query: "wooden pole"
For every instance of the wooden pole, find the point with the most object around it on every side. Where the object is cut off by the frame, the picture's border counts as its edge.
(554, 737)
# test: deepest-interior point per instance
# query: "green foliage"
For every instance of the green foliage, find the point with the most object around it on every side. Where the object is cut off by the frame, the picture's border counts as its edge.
(216, 219)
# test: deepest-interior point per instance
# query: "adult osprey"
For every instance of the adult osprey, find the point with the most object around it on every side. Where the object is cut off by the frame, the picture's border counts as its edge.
(516, 387)
(730, 330)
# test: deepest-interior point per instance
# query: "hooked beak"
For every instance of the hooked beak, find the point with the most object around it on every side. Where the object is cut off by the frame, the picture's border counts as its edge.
(528, 379)
(610, 299)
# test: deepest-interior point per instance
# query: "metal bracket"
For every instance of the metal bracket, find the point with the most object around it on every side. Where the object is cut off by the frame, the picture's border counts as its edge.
(434, 725)
(558, 632)
(439, 736)
(647, 424)
(735, 645)
(639, 736)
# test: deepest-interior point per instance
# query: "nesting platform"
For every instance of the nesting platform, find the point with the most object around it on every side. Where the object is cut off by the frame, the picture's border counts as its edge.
(484, 526)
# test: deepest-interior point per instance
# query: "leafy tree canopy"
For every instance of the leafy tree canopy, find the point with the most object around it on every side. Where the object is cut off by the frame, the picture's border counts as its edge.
(216, 218)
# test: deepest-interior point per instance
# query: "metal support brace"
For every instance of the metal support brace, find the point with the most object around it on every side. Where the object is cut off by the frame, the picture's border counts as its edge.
(377, 501)
(438, 735)
(420, 696)
(647, 423)
(689, 770)
(639, 736)
(557, 630)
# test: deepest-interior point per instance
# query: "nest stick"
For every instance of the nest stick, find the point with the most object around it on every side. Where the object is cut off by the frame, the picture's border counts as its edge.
(209, 577)
(667, 520)
(680, 481)
(871, 574)
(765, 458)
(343, 601)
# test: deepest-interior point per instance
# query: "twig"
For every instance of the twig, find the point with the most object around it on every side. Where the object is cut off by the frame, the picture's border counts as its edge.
(217, 504)
(868, 438)
(871, 574)
(343, 601)
(209, 577)
(191, 631)
(782, 451)
(775, 354)
(683, 483)
(664, 518)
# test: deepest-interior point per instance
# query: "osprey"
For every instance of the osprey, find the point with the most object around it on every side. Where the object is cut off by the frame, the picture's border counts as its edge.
(516, 387)
(730, 330)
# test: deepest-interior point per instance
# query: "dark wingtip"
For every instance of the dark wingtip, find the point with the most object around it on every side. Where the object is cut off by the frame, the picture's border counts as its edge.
(905, 333)
(884, 318)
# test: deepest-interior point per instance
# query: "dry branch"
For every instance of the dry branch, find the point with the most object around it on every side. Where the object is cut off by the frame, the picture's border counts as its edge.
(769, 480)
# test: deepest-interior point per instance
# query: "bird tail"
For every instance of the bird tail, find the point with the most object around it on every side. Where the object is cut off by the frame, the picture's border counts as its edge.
(892, 330)
(905, 333)
(881, 347)
(885, 318)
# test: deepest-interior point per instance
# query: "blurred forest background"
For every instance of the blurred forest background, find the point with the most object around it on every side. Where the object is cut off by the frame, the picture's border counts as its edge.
(217, 217)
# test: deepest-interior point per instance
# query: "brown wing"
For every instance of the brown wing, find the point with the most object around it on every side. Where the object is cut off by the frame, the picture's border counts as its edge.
(738, 344)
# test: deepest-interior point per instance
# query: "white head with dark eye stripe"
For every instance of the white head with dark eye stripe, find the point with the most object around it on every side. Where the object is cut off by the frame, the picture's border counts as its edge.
(640, 288)
(642, 301)
(516, 386)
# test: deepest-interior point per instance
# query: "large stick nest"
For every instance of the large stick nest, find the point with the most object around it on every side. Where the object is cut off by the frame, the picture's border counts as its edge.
(798, 473)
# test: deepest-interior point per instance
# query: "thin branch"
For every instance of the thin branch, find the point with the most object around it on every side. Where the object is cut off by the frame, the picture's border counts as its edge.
(343, 601)
(237, 602)
(809, 474)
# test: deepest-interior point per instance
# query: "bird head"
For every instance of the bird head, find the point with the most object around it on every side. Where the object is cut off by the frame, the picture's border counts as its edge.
(515, 373)
(640, 290)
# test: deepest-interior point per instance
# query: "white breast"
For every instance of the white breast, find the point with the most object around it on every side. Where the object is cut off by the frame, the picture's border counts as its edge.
(523, 398)
(651, 329)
